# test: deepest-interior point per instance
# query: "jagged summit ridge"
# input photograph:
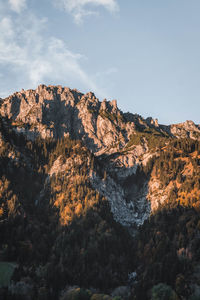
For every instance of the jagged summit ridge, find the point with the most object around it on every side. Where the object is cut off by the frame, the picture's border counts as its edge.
(124, 142)
(56, 111)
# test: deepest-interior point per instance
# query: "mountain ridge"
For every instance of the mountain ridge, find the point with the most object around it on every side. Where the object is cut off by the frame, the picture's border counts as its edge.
(90, 196)
(36, 106)
(125, 141)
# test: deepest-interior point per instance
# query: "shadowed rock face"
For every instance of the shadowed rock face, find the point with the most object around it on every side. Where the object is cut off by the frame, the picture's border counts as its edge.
(56, 111)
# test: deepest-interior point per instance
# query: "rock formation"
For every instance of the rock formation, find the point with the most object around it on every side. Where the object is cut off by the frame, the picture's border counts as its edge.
(58, 112)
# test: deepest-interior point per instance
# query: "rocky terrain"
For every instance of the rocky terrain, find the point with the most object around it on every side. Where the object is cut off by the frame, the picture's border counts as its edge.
(57, 112)
(77, 161)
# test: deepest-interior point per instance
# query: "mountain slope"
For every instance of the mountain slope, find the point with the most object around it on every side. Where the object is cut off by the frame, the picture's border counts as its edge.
(77, 178)
(124, 141)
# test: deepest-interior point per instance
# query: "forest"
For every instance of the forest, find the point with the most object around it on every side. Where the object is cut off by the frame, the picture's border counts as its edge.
(58, 237)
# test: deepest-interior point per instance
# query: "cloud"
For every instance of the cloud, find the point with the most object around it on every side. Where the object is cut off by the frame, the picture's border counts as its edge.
(107, 72)
(28, 57)
(81, 8)
(17, 5)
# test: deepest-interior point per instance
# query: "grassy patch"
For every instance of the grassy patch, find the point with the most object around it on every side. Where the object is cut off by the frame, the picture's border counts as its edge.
(153, 137)
(113, 117)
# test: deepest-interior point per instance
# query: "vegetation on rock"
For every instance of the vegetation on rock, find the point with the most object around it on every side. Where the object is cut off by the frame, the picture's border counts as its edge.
(65, 174)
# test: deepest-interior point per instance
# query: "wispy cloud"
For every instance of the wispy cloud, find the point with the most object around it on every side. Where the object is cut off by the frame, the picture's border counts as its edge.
(28, 57)
(81, 8)
(107, 72)
(17, 5)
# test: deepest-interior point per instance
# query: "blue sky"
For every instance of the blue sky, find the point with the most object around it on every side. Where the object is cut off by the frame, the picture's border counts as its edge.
(145, 54)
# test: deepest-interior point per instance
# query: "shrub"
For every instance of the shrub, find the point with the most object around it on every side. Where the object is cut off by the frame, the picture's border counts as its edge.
(163, 291)
(76, 294)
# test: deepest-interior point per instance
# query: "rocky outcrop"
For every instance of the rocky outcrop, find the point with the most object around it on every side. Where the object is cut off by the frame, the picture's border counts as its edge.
(128, 212)
(188, 129)
(57, 112)
(153, 122)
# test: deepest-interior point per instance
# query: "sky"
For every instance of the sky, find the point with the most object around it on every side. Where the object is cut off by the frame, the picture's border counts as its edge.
(144, 53)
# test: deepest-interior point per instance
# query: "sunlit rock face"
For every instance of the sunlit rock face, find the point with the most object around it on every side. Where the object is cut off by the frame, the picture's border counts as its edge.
(54, 111)
(57, 112)
(188, 129)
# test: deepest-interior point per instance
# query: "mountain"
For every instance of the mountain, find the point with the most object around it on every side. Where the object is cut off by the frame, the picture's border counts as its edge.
(97, 198)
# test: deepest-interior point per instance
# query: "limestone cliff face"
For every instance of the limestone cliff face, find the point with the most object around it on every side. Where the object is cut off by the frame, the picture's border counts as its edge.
(188, 129)
(56, 112)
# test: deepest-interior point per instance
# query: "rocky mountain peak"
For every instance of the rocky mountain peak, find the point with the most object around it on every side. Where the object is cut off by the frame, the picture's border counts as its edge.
(186, 129)
(152, 121)
(56, 111)
(189, 124)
